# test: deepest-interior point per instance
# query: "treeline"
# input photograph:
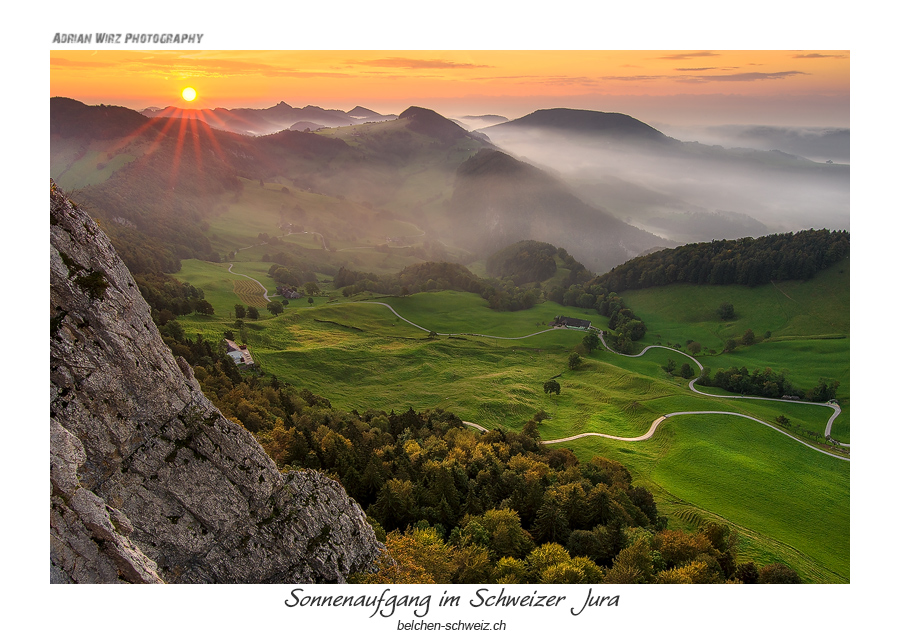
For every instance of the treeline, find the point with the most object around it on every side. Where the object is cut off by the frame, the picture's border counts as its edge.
(747, 261)
(416, 278)
(624, 326)
(169, 297)
(766, 383)
(524, 262)
(503, 295)
(578, 289)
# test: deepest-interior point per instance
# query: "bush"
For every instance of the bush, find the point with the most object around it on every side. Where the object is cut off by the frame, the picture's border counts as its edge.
(725, 311)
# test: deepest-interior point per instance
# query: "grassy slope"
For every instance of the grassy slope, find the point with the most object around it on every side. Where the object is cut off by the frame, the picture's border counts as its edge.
(809, 322)
(73, 166)
(788, 503)
(361, 356)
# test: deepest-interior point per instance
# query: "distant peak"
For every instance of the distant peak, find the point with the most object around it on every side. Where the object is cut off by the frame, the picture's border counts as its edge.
(417, 111)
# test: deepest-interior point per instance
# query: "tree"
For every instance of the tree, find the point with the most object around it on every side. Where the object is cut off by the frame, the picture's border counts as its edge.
(239, 311)
(725, 311)
(778, 573)
(204, 307)
(252, 312)
(551, 386)
(687, 370)
(669, 367)
(747, 573)
(575, 361)
(275, 308)
(730, 345)
(591, 342)
(749, 338)
(311, 301)
(311, 288)
(694, 347)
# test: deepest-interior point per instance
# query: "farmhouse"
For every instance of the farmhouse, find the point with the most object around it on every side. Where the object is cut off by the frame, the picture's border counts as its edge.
(571, 322)
(238, 353)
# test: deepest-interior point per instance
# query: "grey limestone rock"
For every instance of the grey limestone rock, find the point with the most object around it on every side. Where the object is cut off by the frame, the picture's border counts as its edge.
(149, 482)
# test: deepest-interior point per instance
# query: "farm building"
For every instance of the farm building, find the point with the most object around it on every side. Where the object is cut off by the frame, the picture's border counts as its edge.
(571, 322)
(238, 352)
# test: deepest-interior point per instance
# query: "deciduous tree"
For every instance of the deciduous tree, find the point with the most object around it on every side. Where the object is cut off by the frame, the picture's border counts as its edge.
(575, 361)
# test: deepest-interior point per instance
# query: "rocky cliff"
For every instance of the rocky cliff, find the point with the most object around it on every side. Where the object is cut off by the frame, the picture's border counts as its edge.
(148, 481)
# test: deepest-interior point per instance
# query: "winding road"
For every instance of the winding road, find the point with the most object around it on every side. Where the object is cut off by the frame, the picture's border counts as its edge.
(656, 423)
(453, 334)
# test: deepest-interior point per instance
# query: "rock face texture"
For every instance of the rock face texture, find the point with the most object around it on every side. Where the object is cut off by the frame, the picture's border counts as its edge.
(149, 482)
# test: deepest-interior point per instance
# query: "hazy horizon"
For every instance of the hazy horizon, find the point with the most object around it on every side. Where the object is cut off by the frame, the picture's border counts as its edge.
(677, 88)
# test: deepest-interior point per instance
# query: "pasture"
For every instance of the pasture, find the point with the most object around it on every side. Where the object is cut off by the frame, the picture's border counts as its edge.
(787, 502)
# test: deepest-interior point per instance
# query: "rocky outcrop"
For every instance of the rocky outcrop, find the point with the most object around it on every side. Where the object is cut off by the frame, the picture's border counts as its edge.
(149, 482)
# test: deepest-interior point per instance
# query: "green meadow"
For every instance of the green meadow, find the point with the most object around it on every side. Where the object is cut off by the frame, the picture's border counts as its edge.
(787, 502)
(808, 322)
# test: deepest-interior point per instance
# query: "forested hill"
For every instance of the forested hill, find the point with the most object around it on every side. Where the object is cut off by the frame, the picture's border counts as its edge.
(747, 261)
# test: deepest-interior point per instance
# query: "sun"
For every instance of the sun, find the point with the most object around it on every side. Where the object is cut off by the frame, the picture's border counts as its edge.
(188, 94)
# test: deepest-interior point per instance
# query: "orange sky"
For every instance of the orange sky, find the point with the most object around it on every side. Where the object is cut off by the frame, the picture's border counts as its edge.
(789, 87)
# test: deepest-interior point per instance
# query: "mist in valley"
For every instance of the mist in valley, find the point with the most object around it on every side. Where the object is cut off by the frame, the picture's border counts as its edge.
(692, 191)
(818, 144)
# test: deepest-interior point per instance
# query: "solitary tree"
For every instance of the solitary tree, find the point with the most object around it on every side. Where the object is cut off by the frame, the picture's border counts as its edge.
(749, 338)
(669, 366)
(311, 288)
(275, 308)
(687, 370)
(551, 386)
(239, 311)
(591, 342)
(575, 361)
(725, 311)
(252, 312)
(311, 301)
(730, 345)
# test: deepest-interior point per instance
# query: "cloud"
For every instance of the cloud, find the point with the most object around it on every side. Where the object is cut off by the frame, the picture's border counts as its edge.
(188, 66)
(743, 76)
(697, 69)
(820, 56)
(702, 79)
(681, 56)
(635, 77)
(407, 62)
(61, 62)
